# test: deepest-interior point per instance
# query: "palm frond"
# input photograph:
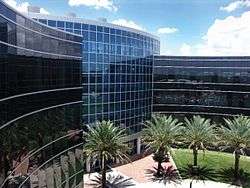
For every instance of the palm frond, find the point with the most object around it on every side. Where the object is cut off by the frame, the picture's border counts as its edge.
(105, 139)
(235, 134)
(198, 173)
(167, 175)
(113, 181)
(161, 132)
(198, 132)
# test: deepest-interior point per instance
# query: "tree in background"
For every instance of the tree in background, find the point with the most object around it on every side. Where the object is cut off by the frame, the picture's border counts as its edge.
(235, 135)
(198, 132)
(159, 134)
(105, 142)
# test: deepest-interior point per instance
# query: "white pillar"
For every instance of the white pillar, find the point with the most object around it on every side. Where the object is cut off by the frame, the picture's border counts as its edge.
(88, 167)
(138, 145)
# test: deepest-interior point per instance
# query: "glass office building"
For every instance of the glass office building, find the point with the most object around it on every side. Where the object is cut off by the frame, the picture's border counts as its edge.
(40, 97)
(116, 70)
(212, 86)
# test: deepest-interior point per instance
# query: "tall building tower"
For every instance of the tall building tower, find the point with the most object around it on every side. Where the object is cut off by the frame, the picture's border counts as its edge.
(116, 70)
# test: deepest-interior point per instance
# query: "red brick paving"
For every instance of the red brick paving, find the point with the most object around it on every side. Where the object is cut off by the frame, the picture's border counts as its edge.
(137, 169)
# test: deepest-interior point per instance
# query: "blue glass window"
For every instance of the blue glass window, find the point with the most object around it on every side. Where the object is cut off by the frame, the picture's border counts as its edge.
(69, 25)
(85, 27)
(106, 48)
(100, 28)
(100, 58)
(100, 48)
(85, 35)
(92, 68)
(85, 46)
(60, 24)
(112, 31)
(112, 49)
(118, 50)
(112, 39)
(106, 60)
(106, 30)
(52, 23)
(118, 40)
(92, 27)
(92, 36)
(99, 37)
(43, 21)
(77, 26)
(92, 47)
(106, 38)
(118, 32)
(92, 57)
(124, 33)
(124, 40)
(85, 57)
(129, 41)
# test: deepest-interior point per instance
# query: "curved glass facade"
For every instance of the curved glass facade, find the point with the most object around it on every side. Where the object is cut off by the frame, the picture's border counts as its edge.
(217, 86)
(116, 72)
(40, 96)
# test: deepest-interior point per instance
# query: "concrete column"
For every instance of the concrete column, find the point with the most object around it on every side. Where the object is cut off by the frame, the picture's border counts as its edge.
(88, 165)
(138, 146)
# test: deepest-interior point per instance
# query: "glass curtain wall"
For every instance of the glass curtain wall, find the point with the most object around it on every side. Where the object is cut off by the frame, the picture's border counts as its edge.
(40, 103)
(217, 86)
(116, 72)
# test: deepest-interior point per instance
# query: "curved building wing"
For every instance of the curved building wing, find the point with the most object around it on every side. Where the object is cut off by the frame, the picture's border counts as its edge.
(40, 95)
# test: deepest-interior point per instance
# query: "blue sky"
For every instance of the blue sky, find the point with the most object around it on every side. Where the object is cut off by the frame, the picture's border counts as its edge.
(185, 27)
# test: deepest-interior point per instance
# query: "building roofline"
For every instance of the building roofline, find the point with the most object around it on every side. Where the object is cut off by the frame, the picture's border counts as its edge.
(29, 18)
(88, 21)
(202, 57)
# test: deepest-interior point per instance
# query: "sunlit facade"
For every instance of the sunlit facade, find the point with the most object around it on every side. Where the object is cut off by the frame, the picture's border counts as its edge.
(116, 70)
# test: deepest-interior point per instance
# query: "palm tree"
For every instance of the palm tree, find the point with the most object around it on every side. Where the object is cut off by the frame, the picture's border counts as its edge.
(198, 173)
(198, 132)
(159, 134)
(236, 135)
(105, 142)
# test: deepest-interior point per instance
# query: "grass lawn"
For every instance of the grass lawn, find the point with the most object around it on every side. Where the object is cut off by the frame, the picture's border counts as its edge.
(211, 159)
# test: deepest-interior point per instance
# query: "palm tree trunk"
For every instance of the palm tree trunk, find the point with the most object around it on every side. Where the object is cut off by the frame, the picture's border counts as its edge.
(195, 154)
(161, 156)
(236, 165)
(104, 169)
(158, 173)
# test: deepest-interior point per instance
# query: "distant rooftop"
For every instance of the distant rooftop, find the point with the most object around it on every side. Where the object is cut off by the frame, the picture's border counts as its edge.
(35, 12)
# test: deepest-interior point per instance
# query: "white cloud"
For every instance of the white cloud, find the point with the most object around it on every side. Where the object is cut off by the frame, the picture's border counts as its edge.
(167, 30)
(128, 23)
(23, 7)
(97, 4)
(226, 37)
(44, 11)
(185, 49)
(235, 5)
